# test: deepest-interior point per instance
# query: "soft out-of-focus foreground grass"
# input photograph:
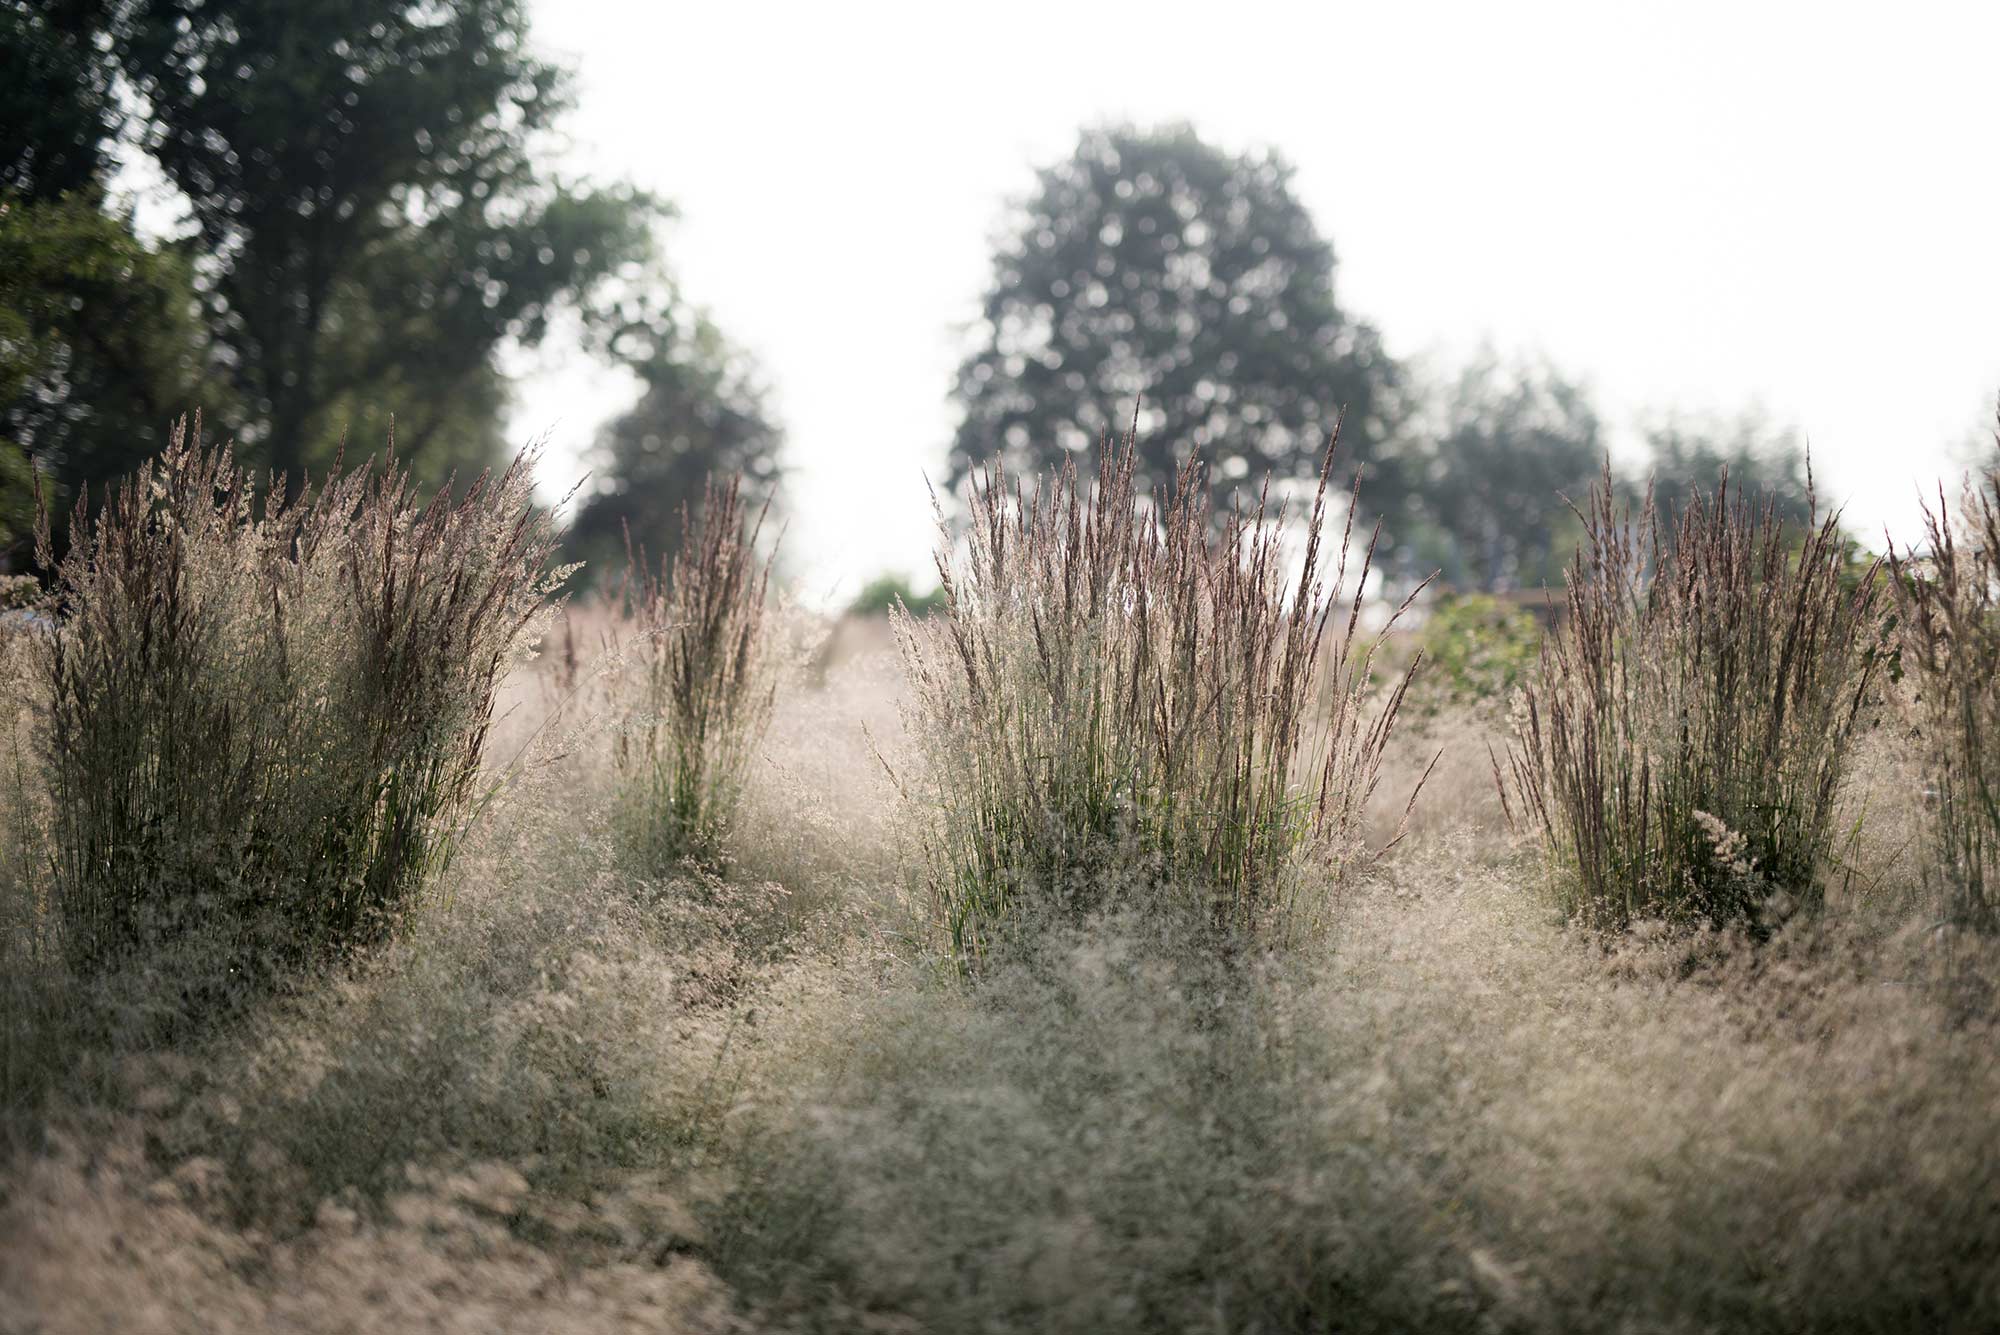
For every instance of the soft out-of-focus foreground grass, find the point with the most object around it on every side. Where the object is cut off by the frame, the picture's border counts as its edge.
(579, 1098)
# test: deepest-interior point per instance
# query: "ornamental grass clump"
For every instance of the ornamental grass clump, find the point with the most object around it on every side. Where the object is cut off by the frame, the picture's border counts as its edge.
(23, 796)
(265, 715)
(1117, 697)
(1950, 624)
(701, 679)
(1681, 747)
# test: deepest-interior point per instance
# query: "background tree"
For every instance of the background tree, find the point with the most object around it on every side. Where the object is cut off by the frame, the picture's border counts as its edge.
(372, 220)
(1486, 486)
(1150, 263)
(97, 351)
(17, 508)
(94, 323)
(1689, 452)
(369, 226)
(56, 104)
(700, 411)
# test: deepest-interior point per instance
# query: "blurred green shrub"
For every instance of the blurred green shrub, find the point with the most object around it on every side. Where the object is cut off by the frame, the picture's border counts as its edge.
(885, 593)
(1477, 649)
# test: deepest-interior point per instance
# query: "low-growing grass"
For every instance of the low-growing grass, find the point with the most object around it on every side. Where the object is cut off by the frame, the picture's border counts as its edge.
(577, 1096)
(1682, 748)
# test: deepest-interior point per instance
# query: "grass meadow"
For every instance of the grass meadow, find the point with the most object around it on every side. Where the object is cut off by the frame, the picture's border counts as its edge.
(961, 1008)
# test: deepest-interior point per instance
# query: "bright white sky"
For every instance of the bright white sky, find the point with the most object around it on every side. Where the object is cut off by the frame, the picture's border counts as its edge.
(1707, 207)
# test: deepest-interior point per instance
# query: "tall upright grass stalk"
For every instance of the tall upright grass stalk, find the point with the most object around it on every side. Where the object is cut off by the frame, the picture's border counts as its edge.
(1115, 694)
(265, 719)
(1681, 748)
(705, 677)
(1950, 626)
(23, 794)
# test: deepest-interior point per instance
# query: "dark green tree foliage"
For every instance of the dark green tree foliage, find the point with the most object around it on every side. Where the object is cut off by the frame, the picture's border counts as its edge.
(56, 107)
(1690, 454)
(96, 351)
(700, 413)
(17, 507)
(78, 293)
(1150, 263)
(1486, 490)
(373, 225)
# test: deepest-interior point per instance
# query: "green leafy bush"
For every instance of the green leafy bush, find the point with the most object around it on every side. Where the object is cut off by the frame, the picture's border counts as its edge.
(1478, 649)
(701, 683)
(885, 593)
(265, 720)
(1110, 696)
(1682, 746)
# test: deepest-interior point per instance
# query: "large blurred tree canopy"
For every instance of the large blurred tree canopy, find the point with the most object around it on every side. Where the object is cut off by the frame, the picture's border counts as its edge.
(701, 409)
(369, 221)
(1488, 476)
(97, 347)
(56, 105)
(363, 179)
(1152, 264)
(94, 325)
(1762, 461)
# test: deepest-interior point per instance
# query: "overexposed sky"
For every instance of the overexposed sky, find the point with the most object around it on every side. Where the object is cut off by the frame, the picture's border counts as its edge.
(1791, 207)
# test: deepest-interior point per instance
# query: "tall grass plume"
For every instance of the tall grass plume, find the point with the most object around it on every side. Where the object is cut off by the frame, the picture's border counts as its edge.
(265, 715)
(1682, 747)
(1949, 609)
(1113, 690)
(703, 676)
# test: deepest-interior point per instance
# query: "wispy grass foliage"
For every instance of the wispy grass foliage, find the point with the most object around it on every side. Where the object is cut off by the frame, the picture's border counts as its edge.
(583, 1100)
(1450, 1120)
(1113, 690)
(266, 715)
(23, 796)
(1950, 625)
(703, 678)
(1682, 747)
